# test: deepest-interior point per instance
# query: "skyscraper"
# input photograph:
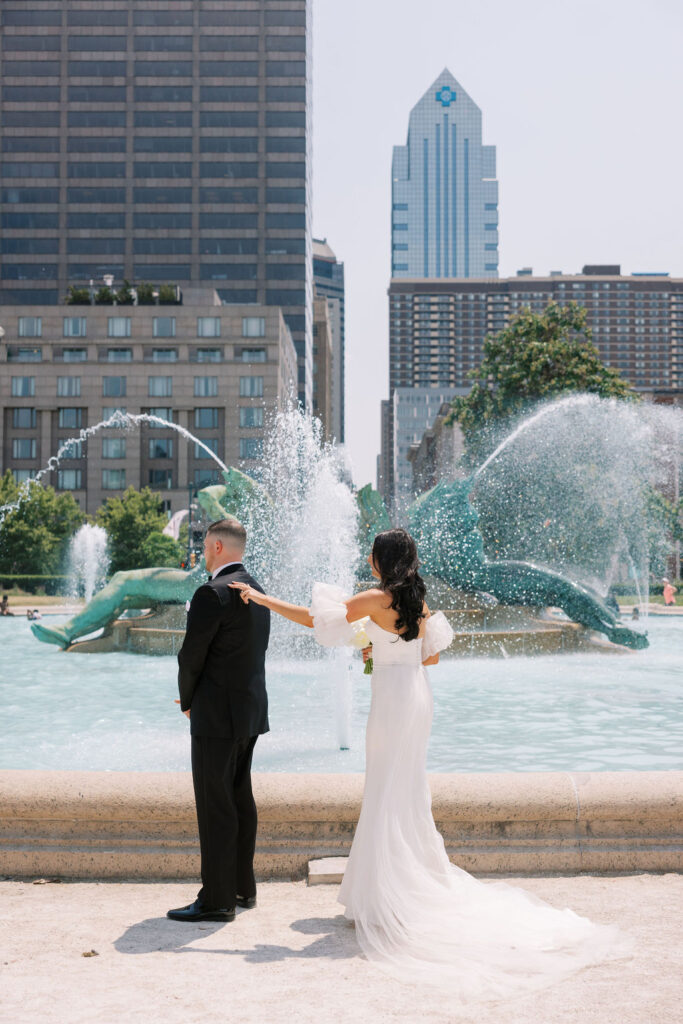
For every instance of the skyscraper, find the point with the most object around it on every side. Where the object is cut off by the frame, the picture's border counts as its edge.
(444, 190)
(160, 142)
(328, 281)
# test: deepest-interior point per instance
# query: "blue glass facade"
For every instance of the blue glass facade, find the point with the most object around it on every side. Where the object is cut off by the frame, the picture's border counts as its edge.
(444, 190)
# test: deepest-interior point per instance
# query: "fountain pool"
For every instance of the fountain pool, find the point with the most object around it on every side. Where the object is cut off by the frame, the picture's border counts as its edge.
(575, 712)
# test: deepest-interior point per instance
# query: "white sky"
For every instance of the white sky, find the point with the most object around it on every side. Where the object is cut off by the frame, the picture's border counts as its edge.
(583, 101)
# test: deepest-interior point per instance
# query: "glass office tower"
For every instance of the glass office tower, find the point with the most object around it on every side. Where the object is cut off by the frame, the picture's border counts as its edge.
(444, 190)
(166, 143)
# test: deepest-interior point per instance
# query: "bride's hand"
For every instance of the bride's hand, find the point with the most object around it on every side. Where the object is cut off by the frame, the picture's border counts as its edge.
(247, 593)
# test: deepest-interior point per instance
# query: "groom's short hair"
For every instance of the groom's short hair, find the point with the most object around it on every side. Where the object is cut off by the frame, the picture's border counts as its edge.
(230, 531)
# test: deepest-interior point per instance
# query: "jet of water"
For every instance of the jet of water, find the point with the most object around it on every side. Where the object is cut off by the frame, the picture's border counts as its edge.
(119, 420)
(88, 561)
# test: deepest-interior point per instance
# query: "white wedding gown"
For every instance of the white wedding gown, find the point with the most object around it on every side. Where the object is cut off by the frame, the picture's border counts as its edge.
(416, 914)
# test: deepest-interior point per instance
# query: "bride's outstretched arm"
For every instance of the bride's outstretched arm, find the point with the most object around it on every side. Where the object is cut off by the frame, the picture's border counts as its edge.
(357, 607)
(293, 612)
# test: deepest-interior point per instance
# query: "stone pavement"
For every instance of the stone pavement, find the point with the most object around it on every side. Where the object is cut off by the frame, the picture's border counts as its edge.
(295, 959)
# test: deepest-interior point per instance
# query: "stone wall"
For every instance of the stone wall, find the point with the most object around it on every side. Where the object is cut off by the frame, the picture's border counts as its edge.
(142, 825)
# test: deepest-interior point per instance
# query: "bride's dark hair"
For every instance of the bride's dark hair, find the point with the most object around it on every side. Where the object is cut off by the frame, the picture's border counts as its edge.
(394, 553)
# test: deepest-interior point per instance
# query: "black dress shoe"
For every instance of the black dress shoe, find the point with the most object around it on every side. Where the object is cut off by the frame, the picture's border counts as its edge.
(248, 902)
(197, 911)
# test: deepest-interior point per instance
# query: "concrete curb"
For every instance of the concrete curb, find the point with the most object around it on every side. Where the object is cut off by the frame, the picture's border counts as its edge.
(142, 825)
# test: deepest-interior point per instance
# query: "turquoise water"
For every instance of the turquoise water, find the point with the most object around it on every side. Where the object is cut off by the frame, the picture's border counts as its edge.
(581, 712)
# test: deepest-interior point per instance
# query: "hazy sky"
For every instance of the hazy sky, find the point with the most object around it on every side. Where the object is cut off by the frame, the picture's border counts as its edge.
(583, 101)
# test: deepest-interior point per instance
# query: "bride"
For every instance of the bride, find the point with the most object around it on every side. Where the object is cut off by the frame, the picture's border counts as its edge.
(415, 913)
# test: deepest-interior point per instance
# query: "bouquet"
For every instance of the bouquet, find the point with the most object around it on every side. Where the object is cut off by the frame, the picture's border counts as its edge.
(361, 640)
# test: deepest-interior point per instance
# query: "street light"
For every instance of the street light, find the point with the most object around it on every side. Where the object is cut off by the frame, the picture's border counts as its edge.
(190, 495)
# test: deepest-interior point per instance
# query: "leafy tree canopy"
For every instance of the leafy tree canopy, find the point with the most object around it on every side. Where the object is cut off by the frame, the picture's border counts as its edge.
(129, 521)
(158, 549)
(537, 357)
(34, 537)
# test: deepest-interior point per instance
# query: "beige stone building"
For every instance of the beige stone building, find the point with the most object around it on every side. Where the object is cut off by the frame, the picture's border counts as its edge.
(219, 371)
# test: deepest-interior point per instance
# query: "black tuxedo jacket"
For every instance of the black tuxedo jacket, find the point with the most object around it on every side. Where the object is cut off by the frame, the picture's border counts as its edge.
(222, 675)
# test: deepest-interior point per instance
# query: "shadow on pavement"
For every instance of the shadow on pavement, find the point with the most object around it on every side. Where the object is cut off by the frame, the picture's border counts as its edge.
(159, 934)
(336, 940)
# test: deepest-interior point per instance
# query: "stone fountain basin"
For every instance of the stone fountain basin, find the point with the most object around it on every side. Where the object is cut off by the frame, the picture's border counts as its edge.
(497, 631)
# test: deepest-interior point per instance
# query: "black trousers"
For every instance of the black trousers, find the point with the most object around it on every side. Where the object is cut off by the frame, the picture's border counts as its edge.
(226, 816)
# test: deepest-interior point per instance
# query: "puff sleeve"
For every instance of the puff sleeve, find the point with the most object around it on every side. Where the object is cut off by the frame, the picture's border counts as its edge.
(438, 635)
(328, 611)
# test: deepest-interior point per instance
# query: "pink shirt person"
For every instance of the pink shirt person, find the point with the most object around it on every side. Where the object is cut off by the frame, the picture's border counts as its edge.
(668, 592)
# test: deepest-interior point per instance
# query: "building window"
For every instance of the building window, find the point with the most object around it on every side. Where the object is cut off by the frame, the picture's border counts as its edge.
(75, 327)
(211, 443)
(30, 327)
(113, 387)
(165, 355)
(163, 412)
(70, 419)
(25, 419)
(69, 479)
(205, 387)
(119, 355)
(209, 355)
(23, 387)
(24, 355)
(119, 327)
(161, 448)
(161, 478)
(69, 387)
(113, 447)
(251, 387)
(160, 387)
(23, 448)
(111, 410)
(253, 355)
(206, 477)
(253, 327)
(74, 355)
(251, 448)
(206, 419)
(208, 327)
(251, 416)
(73, 450)
(163, 327)
(21, 475)
(113, 479)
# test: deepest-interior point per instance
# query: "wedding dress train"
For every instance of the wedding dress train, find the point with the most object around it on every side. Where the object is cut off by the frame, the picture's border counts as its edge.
(416, 914)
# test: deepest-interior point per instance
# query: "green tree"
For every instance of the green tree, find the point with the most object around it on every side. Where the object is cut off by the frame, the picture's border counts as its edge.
(129, 520)
(158, 549)
(537, 357)
(34, 537)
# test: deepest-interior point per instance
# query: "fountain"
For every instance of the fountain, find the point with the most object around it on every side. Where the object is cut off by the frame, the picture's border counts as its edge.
(581, 460)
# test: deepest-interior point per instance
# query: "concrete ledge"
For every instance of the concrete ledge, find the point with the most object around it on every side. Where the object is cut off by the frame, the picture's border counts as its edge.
(142, 825)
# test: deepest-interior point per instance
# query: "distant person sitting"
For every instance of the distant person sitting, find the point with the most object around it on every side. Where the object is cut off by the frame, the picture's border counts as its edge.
(35, 615)
(668, 592)
(4, 605)
(635, 614)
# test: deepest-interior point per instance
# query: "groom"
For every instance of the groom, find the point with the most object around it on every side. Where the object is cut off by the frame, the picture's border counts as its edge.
(222, 687)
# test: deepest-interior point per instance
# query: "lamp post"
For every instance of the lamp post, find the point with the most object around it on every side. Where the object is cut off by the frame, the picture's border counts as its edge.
(190, 495)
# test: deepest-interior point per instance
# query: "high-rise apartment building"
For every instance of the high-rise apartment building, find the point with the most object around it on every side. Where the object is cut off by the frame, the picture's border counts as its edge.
(328, 281)
(161, 142)
(444, 190)
(437, 331)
